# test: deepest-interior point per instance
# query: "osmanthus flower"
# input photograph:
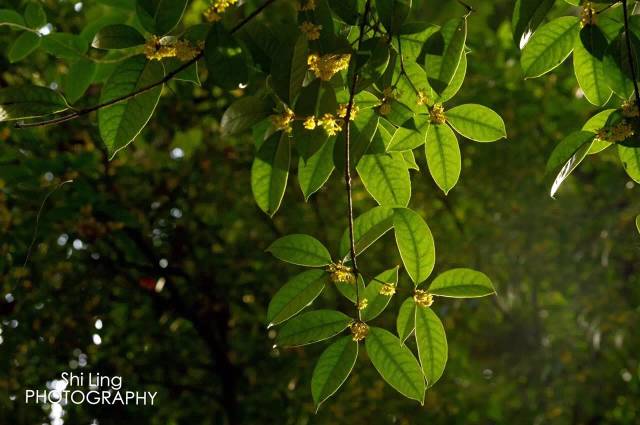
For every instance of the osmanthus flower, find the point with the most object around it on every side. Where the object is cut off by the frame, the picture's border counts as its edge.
(616, 133)
(329, 123)
(422, 298)
(326, 66)
(588, 14)
(342, 111)
(362, 304)
(389, 94)
(436, 114)
(306, 6)
(359, 330)
(157, 48)
(310, 123)
(310, 30)
(339, 273)
(212, 13)
(630, 109)
(283, 121)
(387, 289)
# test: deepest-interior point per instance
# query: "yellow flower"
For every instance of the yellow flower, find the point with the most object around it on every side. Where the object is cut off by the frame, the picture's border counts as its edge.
(359, 330)
(629, 109)
(363, 304)
(157, 49)
(326, 66)
(436, 114)
(387, 289)
(588, 14)
(185, 51)
(310, 123)
(342, 111)
(310, 30)
(423, 99)
(388, 94)
(283, 121)
(308, 6)
(212, 13)
(423, 298)
(330, 125)
(340, 273)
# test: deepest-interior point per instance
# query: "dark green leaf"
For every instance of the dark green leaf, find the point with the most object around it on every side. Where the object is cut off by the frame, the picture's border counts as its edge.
(393, 13)
(118, 36)
(160, 16)
(295, 295)
(34, 15)
(78, 79)
(23, 46)
(65, 46)
(315, 172)
(270, 172)
(11, 17)
(333, 369)
(243, 114)
(303, 250)
(23, 102)
(415, 243)
(527, 15)
(312, 326)
(617, 67)
(588, 56)
(120, 123)
(395, 363)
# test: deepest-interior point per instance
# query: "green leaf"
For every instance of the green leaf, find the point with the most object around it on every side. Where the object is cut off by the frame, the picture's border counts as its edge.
(476, 122)
(527, 15)
(288, 69)
(11, 17)
(315, 99)
(120, 123)
(303, 250)
(23, 46)
(411, 135)
(462, 283)
(371, 62)
(160, 16)
(617, 67)
(570, 165)
(588, 56)
(78, 79)
(432, 344)
(34, 15)
(594, 124)
(347, 11)
(564, 150)
(385, 175)
(243, 114)
(312, 326)
(367, 228)
(549, 46)
(393, 13)
(410, 159)
(333, 369)
(270, 171)
(295, 295)
(118, 36)
(415, 243)
(189, 74)
(363, 130)
(395, 363)
(377, 302)
(444, 51)
(443, 156)
(315, 172)
(65, 46)
(21, 102)
(406, 320)
(638, 223)
(226, 61)
(630, 158)
(348, 290)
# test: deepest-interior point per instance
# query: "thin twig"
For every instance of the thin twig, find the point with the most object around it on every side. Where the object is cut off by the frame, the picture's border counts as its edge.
(347, 154)
(80, 112)
(35, 230)
(632, 63)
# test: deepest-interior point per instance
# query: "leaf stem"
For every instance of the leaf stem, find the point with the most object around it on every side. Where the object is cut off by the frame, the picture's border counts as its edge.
(80, 112)
(632, 63)
(347, 154)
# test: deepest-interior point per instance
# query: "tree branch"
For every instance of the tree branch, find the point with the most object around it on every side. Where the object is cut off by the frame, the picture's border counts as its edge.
(347, 153)
(632, 63)
(80, 112)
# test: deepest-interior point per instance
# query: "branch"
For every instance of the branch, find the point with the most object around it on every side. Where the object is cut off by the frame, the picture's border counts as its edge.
(632, 63)
(80, 112)
(347, 154)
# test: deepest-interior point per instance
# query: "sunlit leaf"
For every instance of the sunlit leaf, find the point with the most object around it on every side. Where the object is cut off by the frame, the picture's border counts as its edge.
(549, 46)
(476, 122)
(630, 158)
(432, 344)
(23, 102)
(303, 250)
(377, 302)
(588, 56)
(333, 369)
(443, 156)
(295, 295)
(312, 326)
(415, 243)
(406, 320)
(461, 283)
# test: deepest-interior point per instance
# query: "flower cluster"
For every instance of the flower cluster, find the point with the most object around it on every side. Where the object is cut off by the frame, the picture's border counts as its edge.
(326, 66)
(362, 304)
(359, 330)
(616, 133)
(341, 274)
(388, 95)
(329, 123)
(159, 48)
(283, 120)
(387, 289)
(588, 14)
(342, 111)
(422, 99)
(436, 114)
(311, 31)
(212, 13)
(422, 298)
(630, 109)
(309, 5)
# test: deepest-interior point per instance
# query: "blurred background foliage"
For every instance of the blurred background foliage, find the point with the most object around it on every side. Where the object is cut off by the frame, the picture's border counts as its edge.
(152, 266)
